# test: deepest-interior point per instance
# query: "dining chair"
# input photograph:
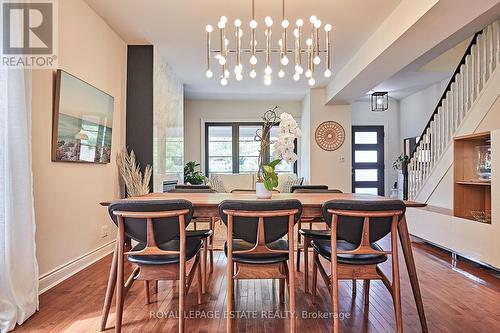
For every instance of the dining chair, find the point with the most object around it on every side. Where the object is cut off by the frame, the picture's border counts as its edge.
(308, 187)
(206, 235)
(310, 233)
(255, 247)
(360, 224)
(161, 253)
(191, 187)
(248, 191)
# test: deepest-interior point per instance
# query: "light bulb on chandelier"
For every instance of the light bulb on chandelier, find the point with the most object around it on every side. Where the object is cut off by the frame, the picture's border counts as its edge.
(296, 44)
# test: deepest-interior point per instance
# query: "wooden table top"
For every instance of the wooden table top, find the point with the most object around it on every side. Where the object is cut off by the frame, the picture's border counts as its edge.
(311, 200)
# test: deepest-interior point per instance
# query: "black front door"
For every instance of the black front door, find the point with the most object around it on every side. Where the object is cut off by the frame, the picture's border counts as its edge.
(368, 159)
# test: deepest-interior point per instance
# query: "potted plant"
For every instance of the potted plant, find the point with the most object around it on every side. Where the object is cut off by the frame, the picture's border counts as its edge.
(191, 175)
(267, 178)
(135, 182)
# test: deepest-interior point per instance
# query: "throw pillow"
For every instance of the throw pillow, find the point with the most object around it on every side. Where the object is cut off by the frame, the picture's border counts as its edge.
(217, 184)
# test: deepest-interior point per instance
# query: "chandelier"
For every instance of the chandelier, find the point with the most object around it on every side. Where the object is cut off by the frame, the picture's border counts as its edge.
(307, 57)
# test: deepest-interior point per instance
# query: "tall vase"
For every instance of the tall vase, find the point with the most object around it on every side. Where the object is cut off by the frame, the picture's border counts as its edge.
(262, 192)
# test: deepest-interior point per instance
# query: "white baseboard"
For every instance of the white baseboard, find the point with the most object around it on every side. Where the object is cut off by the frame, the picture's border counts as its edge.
(63, 272)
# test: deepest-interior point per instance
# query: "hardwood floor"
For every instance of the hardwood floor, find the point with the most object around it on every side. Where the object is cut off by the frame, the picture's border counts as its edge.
(461, 299)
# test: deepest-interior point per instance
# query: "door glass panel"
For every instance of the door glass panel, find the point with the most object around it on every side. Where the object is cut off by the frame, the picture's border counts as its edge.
(366, 175)
(365, 156)
(365, 138)
(220, 149)
(366, 190)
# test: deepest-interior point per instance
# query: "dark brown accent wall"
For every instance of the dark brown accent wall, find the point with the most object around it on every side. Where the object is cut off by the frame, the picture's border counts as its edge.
(139, 121)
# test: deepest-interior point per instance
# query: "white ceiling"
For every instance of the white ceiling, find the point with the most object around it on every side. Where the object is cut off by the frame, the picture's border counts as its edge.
(424, 72)
(177, 28)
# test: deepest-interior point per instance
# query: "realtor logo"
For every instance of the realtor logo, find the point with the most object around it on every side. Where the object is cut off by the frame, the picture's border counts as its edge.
(29, 34)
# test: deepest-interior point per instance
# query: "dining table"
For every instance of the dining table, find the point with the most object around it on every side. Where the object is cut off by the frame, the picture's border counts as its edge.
(206, 205)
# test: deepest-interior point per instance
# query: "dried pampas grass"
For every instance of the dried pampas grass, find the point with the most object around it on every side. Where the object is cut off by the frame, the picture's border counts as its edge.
(129, 169)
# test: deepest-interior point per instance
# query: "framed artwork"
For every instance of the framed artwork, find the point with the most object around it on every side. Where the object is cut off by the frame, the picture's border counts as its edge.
(329, 135)
(82, 121)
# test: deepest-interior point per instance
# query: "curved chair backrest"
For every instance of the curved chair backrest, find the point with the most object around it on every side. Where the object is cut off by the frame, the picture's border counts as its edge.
(308, 187)
(307, 190)
(187, 186)
(247, 191)
(165, 228)
(192, 190)
(350, 228)
(246, 227)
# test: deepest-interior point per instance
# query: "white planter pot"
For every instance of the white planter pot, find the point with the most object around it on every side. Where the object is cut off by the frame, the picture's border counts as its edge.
(262, 192)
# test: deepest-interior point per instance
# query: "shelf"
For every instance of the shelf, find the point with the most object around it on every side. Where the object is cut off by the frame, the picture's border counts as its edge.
(474, 182)
(470, 193)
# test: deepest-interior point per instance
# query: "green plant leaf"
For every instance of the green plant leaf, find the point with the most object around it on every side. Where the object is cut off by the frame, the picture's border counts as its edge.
(267, 169)
(268, 184)
(274, 163)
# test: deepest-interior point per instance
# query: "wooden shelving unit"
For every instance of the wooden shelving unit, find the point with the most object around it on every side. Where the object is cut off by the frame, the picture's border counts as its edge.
(470, 192)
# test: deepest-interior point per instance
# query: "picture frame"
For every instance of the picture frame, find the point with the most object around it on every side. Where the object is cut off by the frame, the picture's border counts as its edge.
(82, 124)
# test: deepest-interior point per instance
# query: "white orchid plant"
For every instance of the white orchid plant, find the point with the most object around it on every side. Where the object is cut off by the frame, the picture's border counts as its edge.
(283, 147)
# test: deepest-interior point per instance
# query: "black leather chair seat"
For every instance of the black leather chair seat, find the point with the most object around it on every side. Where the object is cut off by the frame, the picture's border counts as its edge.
(315, 234)
(323, 247)
(200, 234)
(193, 245)
(272, 258)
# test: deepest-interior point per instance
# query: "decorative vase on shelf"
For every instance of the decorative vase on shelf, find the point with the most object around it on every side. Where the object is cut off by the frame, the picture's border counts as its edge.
(484, 162)
(262, 192)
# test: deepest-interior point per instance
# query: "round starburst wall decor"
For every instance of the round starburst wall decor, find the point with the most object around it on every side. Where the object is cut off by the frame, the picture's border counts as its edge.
(330, 135)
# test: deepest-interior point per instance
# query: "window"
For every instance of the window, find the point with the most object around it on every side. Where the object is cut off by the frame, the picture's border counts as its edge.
(231, 148)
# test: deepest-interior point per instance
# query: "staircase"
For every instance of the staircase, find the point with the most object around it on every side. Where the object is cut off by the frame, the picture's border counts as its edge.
(471, 76)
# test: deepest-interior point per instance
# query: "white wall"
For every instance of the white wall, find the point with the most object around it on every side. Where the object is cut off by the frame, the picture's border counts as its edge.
(363, 115)
(332, 168)
(416, 109)
(305, 142)
(67, 211)
(168, 131)
(196, 111)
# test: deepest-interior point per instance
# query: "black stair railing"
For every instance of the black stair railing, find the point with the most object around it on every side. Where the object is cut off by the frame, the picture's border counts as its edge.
(407, 159)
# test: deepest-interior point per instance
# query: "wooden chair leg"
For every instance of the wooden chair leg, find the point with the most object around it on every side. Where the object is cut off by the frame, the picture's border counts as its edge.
(211, 243)
(366, 287)
(182, 290)
(230, 296)
(299, 237)
(109, 290)
(157, 283)
(396, 289)
(282, 290)
(291, 295)
(335, 297)
(306, 264)
(147, 299)
(119, 289)
(204, 258)
(200, 281)
(314, 277)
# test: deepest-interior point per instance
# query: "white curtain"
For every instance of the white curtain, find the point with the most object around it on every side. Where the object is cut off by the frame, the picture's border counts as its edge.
(18, 266)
